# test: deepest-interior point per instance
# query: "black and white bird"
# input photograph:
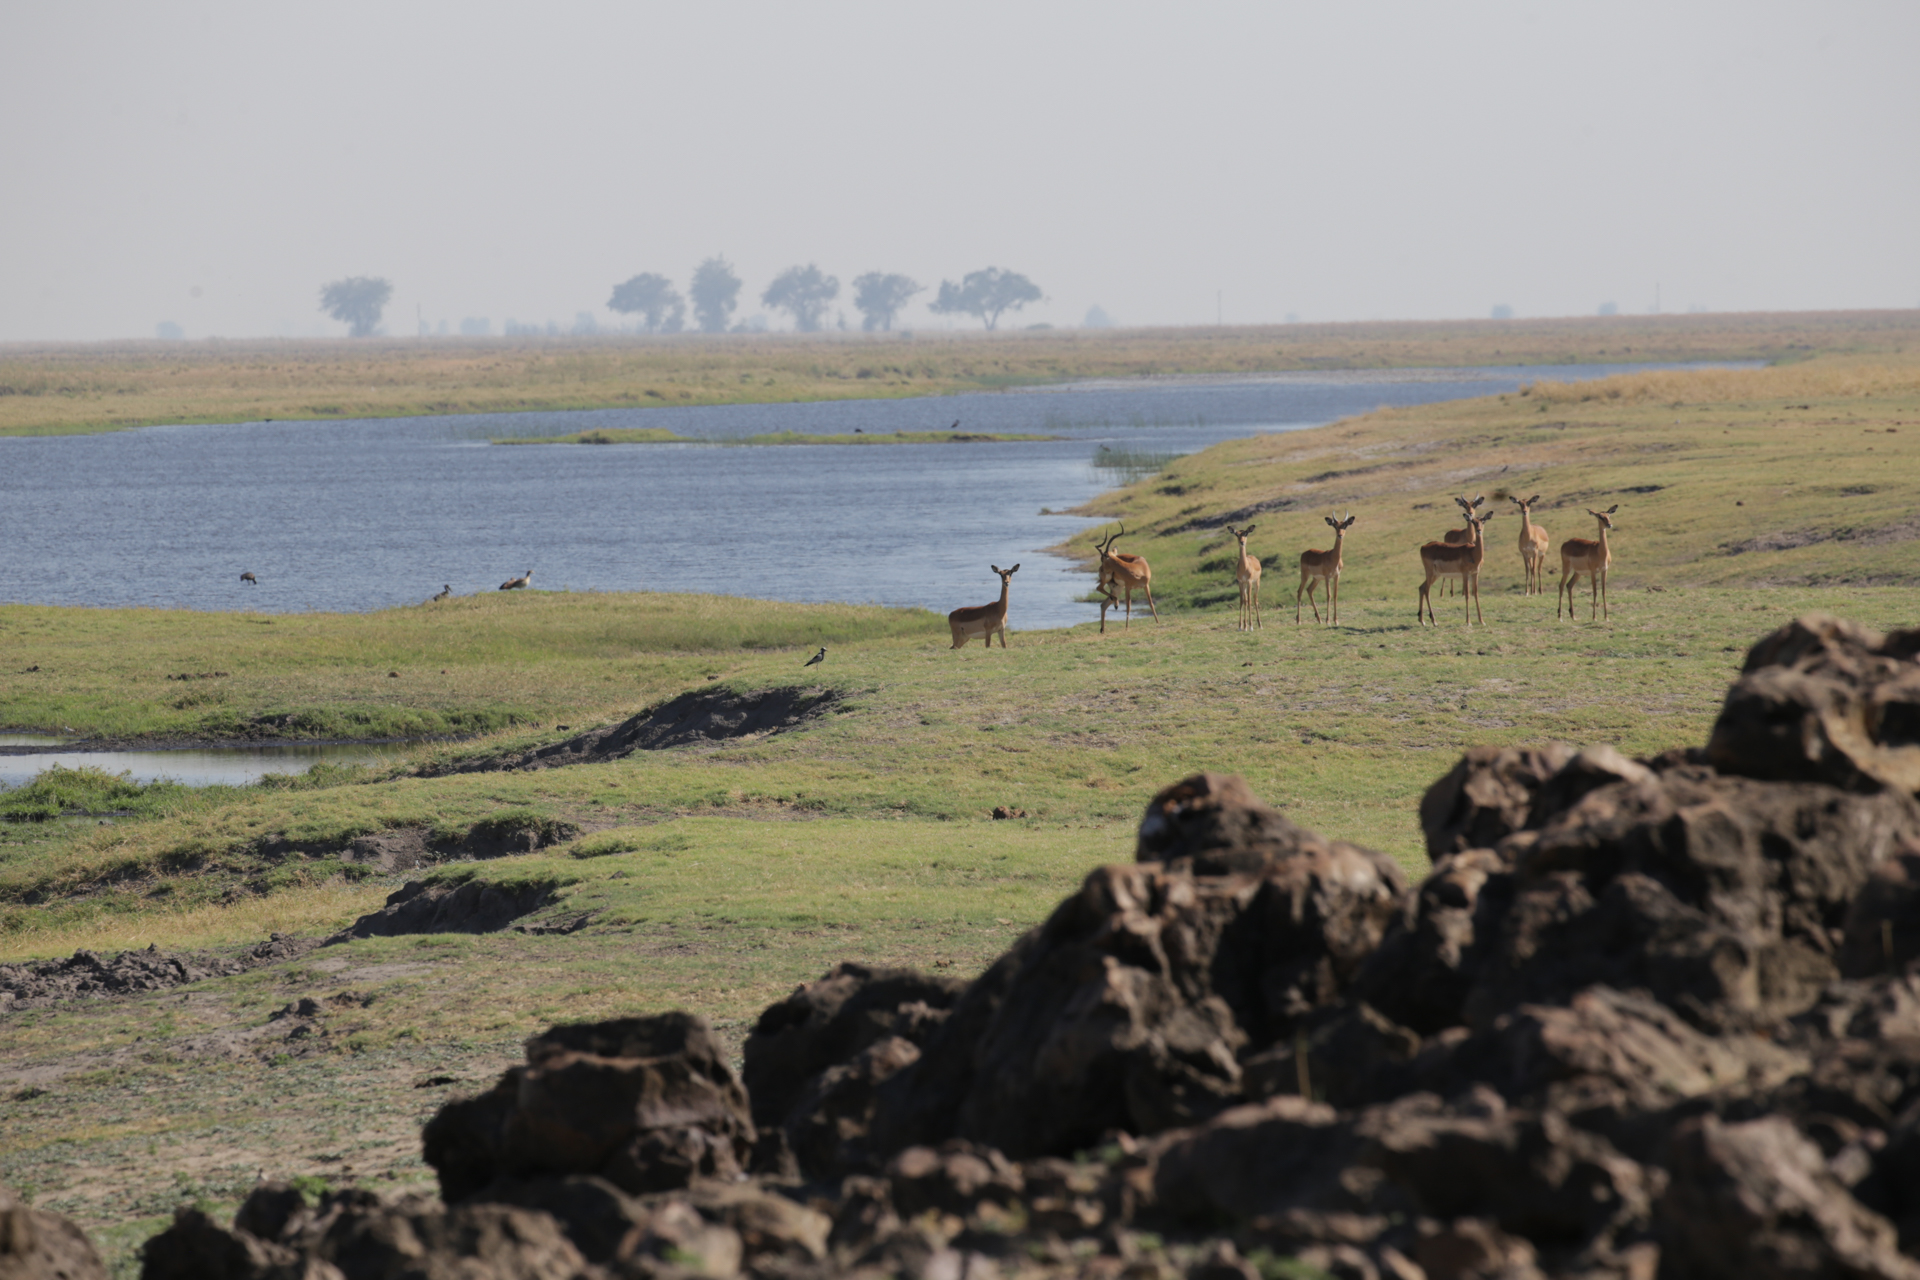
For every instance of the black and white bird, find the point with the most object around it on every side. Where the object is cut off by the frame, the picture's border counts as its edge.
(818, 657)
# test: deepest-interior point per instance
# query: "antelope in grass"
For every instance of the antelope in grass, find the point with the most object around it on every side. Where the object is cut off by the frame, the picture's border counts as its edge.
(982, 619)
(1442, 560)
(1461, 537)
(1246, 572)
(514, 584)
(1533, 547)
(1323, 566)
(1585, 555)
(1125, 571)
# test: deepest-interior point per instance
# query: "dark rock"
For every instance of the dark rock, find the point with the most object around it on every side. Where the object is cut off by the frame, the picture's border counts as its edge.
(1129, 1008)
(1822, 700)
(475, 906)
(271, 1211)
(596, 1215)
(1882, 929)
(195, 1247)
(1758, 1199)
(956, 1178)
(649, 1104)
(828, 1128)
(1487, 796)
(826, 1022)
(38, 1245)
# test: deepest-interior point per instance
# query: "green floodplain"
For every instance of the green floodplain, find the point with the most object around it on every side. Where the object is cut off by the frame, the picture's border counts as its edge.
(715, 878)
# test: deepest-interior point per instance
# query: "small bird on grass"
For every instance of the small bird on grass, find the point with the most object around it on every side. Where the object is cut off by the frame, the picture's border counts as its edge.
(248, 577)
(818, 657)
(445, 592)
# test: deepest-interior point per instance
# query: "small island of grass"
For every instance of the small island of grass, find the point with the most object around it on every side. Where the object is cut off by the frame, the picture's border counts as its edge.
(660, 435)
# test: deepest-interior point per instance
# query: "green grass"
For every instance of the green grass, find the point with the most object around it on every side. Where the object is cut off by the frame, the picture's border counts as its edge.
(660, 435)
(474, 664)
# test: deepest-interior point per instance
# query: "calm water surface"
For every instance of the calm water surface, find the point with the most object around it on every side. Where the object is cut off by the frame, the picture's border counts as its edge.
(362, 515)
(234, 766)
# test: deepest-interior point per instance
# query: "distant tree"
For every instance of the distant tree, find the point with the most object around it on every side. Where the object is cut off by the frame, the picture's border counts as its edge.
(879, 298)
(1609, 308)
(1502, 311)
(356, 302)
(654, 299)
(716, 291)
(985, 294)
(803, 293)
(1097, 318)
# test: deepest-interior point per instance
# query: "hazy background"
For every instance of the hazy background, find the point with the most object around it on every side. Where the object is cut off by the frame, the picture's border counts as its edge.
(213, 164)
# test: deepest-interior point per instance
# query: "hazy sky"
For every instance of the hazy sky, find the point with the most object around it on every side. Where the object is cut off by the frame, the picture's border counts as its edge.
(214, 164)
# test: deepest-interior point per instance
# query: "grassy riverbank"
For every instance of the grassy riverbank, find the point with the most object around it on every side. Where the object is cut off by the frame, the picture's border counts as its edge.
(715, 878)
(51, 389)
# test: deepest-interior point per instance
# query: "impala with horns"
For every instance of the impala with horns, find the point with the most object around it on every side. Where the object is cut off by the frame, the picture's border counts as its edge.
(982, 619)
(1246, 571)
(1122, 571)
(1442, 560)
(1591, 557)
(1461, 537)
(1323, 566)
(1533, 547)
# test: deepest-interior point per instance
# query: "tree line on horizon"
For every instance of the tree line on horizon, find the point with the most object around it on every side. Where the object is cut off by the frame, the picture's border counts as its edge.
(804, 293)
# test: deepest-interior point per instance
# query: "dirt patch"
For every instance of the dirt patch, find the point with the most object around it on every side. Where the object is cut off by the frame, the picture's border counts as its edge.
(410, 848)
(1786, 540)
(1239, 516)
(473, 907)
(701, 718)
(87, 975)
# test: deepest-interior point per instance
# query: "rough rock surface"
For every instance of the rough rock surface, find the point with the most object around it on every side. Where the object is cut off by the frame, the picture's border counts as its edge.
(88, 975)
(646, 1103)
(38, 1245)
(1644, 1019)
(701, 718)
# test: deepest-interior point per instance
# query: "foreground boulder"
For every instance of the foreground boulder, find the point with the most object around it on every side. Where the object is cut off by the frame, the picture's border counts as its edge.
(645, 1103)
(38, 1245)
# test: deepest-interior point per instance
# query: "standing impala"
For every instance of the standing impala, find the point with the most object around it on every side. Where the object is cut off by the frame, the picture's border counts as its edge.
(1247, 572)
(983, 619)
(1461, 537)
(1585, 555)
(1533, 547)
(1323, 566)
(1125, 571)
(1441, 560)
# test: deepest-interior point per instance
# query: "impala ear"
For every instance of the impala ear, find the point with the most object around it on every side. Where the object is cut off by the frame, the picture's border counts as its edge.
(994, 567)
(1615, 507)
(1535, 498)
(1015, 569)
(1249, 532)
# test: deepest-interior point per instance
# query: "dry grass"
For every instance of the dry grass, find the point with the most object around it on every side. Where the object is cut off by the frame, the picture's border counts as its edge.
(61, 388)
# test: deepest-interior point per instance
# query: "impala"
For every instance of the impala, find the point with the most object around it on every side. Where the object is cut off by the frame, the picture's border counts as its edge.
(1461, 537)
(1442, 560)
(1588, 556)
(982, 619)
(1246, 572)
(1125, 571)
(1533, 547)
(1323, 566)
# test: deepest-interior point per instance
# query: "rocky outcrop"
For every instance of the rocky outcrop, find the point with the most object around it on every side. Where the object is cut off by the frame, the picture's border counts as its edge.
(38, 1245)
(89, 975)
(1643, 1018)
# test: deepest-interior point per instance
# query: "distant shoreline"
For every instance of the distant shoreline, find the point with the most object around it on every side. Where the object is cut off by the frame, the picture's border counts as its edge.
(660, 435)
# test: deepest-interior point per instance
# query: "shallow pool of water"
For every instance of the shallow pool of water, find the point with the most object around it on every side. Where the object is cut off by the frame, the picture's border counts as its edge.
(194, 766)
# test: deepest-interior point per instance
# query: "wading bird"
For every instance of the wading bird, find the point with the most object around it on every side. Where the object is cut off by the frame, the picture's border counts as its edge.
(445, 592)
(514, 584)
(816, 658)
(982, 619)
(248, 577)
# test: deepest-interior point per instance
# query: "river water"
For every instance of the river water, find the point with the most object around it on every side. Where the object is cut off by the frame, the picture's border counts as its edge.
(361, 515)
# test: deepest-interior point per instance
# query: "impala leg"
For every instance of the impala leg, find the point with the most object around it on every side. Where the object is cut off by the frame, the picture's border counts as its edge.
(1333, 601)
(1312, 586)
(1604, 611)
(1296, 598)
(1420, 603)
(1156, 611)
(1256, 604)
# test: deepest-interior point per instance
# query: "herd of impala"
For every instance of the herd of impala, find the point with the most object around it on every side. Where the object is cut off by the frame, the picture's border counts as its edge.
(1458, 555)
